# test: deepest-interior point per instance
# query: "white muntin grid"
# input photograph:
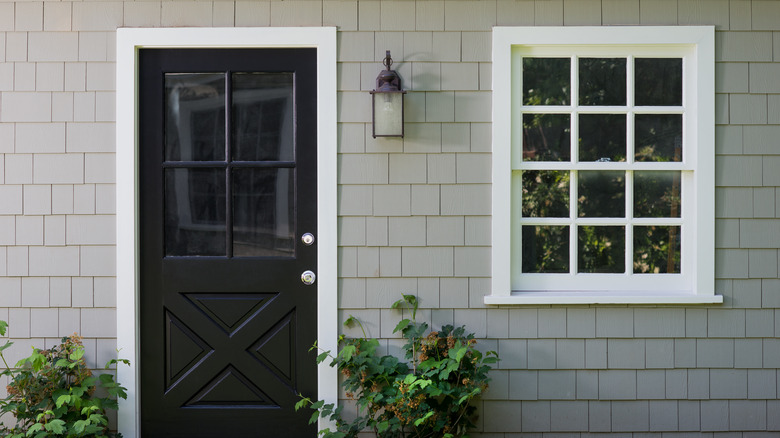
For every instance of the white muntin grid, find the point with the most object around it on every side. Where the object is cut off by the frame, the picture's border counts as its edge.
(596, 281)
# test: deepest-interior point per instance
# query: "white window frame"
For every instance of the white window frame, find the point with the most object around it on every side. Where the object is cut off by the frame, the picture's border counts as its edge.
(695, 284)
(129, 41)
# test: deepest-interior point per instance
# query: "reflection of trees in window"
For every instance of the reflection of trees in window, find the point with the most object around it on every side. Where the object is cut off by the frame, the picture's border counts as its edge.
(602, 137)
(658, 81)
(602, 117)
(657, 193)
(546, 137)
(602, 81)
(546, 81)
(601, 249)
(658, 137)
(601, 193)
(656, 249)
(545, 193)
(545, 249)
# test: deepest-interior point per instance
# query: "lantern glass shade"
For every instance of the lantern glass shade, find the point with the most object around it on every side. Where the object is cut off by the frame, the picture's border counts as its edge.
(388, 114)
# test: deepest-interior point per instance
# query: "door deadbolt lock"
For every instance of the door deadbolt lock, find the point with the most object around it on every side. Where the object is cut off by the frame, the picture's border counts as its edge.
(307, 239)
(308, 278)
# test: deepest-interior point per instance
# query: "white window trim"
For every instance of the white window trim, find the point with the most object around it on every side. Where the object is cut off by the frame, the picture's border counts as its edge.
(127, 256)
(700, 287)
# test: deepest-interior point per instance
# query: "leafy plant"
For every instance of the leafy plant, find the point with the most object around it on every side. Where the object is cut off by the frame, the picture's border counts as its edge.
(428, 395)
(52, 393)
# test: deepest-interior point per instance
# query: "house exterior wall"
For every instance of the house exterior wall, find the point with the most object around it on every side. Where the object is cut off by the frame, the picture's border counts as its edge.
(414, 213)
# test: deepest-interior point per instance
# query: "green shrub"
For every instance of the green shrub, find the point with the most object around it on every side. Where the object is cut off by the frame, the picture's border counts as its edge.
(52, 393)
(428, 395)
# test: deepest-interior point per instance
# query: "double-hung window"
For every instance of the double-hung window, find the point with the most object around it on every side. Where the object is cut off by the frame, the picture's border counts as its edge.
(603, 157)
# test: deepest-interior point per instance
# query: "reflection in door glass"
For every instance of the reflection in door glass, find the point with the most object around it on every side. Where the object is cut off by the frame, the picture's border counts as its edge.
(263, 117)
(195, 212)
(263, 212)
(194, 116)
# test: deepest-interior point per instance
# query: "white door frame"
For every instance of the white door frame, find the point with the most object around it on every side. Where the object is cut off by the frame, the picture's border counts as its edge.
(127, 255)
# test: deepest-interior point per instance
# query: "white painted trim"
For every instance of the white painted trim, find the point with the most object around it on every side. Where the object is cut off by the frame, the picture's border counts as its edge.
(696, 45)
(603, 297)
(128, 43)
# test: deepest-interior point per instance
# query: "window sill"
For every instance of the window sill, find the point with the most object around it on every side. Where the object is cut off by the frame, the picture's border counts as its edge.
(602, 297)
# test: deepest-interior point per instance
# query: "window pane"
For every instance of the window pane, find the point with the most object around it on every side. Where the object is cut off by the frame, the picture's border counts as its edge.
(546, 137)
(658, 137)
(658, 81)
(602, 81)
(546, 81)
(601, 193)
(545, 249)
(545, 193)
(601, 249)
(602, 137)
(263, 212)
(656, 250)
(263, 117)
(195, 212)
(656, 194)
(194, 116)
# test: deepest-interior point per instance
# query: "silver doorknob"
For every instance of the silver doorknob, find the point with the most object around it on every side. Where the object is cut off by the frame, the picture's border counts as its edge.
(307, 239)
(308, 278)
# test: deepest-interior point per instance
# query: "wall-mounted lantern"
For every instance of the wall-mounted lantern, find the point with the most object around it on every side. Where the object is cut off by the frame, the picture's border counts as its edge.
(387, 102)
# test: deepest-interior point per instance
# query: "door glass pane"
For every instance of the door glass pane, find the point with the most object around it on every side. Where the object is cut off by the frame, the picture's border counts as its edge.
(602, 137)
(263, 125)
(545, 248)
(657, 250)
(656, 194)
(658, 137)
(602, 81)
(194, 116)
(658, 81)
(195, 212)
(545, 193)
(601, 193)
(546, 81)
(263, 212)
(601, 249)
(546, 137)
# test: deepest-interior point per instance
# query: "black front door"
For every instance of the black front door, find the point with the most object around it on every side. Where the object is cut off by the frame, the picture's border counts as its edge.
(227, 190)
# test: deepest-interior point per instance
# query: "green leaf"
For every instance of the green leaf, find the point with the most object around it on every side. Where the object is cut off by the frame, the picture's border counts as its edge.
(302, 402)
(6, 345)
(401, 325)
(322, 356)
(409, 379)
(61, 400)
(78, 354)
(56, 426)
(3, 327)
(79, 426)
(314, 417)
(382, 426)
(37, 427)
(347, 352)
(420, 421)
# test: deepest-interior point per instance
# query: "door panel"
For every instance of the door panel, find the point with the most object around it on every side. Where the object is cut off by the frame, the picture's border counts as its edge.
(228, 185)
